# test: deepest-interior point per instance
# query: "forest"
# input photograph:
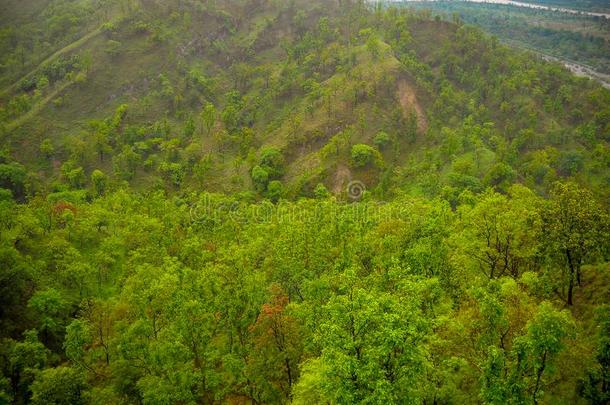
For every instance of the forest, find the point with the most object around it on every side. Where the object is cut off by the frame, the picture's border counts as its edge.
(295, 202)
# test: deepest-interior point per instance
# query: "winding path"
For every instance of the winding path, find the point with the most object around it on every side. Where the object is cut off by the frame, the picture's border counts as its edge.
(69, 48)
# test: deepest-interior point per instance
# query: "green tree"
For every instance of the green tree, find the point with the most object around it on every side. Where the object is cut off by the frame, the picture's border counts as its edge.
(50, 306)
(321, 192)
(596, 385)
(78, 337)
(371, 349)
(59, 386)
(260, 177)
(272, 160)
(26, 359)
(519, 376)
(275, 190)
(125, 163)
(546, 336)
(576, 228)
(382, 139)
(46, 148)
(502, 234)
(230, 118)
(173, 172)
(75, 176)
(208, 118)
(189, 128)
(12, 177)
(364, 155)
(99, 181)
(500, 175)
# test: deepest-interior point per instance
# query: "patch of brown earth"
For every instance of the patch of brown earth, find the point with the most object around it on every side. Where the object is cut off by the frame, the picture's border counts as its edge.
(408, 101)
(342, 178)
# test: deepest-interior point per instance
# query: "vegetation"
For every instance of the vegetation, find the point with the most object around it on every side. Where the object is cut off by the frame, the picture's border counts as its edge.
(268, 201)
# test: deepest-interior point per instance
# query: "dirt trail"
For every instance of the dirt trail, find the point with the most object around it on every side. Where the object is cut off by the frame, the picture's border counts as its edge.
(409, 103)
(69, 48)
(38, 107)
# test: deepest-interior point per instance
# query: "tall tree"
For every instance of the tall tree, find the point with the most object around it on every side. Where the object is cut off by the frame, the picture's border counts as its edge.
(577, 229)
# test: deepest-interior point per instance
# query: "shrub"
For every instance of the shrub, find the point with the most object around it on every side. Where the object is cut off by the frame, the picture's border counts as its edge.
(99, 182)
(321, 192)
(272, 161)
(113, 48)
(500, 175)
(260, 177)
(61, 385)
(275, 190)
(381, 139)
(12, 177)
(363, 155)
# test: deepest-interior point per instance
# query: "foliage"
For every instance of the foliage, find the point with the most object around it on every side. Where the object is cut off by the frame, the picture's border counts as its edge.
(58, 386)
(364, 155)
(197, 245)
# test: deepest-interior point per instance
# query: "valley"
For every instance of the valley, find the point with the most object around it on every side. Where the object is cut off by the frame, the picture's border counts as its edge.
(303, 202)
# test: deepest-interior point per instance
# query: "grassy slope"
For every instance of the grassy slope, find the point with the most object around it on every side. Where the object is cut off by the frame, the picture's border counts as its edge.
(131, 77)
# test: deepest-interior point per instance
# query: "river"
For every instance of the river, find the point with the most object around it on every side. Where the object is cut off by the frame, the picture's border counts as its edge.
(520, 4)
(580, 70)
(576, 68)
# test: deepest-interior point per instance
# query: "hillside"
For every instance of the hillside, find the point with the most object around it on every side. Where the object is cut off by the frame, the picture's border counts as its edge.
(269, 201)
(285, 78)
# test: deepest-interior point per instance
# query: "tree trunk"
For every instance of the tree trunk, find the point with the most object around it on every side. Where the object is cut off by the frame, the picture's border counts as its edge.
(539, 378)
(571, 288)
(571, 277)
(289, 375)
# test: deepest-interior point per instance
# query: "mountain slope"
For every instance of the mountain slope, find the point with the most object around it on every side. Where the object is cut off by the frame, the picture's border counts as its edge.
(289, 77)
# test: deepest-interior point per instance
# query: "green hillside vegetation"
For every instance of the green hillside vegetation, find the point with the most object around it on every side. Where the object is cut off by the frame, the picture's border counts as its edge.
(288, 78)
(268, 201)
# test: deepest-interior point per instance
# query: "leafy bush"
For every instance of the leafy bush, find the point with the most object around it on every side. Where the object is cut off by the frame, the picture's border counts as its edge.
(60, 386)
(382, 139)
(364, 155)
(260, 177)
(12, 177)
(99, 182)
(272, 160)
(501, 175)
(275, 190)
